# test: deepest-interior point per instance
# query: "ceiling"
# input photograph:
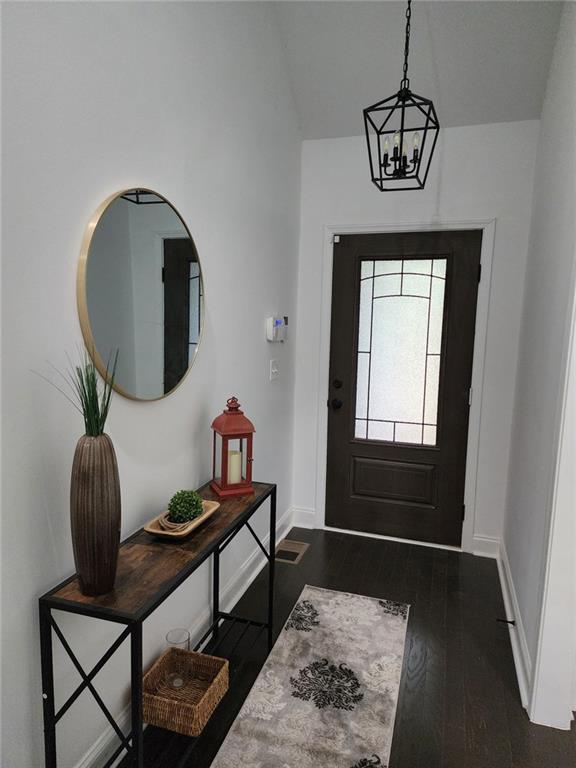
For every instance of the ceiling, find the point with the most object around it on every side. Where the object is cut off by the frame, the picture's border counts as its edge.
(480, 62)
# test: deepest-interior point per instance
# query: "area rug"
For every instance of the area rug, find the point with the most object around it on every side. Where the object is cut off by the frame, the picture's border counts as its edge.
(326, 696)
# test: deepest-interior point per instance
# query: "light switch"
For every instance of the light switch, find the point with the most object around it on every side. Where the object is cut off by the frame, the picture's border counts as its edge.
(274, 372)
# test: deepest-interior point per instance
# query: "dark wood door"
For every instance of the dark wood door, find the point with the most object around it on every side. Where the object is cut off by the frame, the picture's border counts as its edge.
(402, 340)
(178, 254)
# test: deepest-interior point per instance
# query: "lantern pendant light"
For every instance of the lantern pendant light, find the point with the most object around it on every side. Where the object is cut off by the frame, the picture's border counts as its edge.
(401, 134)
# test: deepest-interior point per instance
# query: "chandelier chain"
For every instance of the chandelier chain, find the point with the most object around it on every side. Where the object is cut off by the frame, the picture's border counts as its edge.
(405, 80)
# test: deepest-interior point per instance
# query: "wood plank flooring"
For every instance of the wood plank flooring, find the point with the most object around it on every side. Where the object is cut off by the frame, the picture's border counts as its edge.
(459, 705)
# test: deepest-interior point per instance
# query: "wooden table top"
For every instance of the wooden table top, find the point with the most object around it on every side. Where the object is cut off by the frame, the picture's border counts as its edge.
(149, 569)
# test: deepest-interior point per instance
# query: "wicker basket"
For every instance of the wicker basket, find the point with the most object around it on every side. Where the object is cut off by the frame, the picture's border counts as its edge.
(187, 709)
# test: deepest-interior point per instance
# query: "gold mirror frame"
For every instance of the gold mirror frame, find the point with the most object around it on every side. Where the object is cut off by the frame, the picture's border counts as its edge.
(82, 298)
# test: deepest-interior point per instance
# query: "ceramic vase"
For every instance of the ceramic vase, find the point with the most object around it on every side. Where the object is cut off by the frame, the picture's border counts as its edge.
(95, 513)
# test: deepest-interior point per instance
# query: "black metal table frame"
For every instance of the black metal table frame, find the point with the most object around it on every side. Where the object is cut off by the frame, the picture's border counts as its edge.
(133, 743)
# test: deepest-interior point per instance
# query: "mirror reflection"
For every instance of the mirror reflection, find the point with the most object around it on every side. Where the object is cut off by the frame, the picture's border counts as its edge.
(140, 289)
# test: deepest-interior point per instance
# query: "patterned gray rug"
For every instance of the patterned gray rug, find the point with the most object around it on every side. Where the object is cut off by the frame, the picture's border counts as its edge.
(326, 696)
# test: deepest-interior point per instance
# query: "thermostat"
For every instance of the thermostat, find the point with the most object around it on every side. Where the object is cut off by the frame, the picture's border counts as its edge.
(276, 328)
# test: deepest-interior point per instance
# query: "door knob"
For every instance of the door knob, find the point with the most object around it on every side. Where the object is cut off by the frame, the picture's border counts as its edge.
(336, 404)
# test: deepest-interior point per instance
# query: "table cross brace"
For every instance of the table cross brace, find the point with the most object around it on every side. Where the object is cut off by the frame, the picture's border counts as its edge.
(267, 555)
(87, 682)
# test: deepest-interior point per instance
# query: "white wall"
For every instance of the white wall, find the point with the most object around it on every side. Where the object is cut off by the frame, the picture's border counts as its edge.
(539, 395)
(191, 100)
(480, 172)
(553, 695)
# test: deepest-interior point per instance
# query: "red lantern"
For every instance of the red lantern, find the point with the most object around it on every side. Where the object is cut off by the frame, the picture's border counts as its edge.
(232, 452)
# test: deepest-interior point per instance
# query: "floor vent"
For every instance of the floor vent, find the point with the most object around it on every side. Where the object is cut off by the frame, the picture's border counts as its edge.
(289, 551)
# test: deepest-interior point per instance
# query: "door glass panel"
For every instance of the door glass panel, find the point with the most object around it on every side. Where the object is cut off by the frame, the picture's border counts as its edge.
(362, 394)
(380, 430)
(386, 285)
(399, 345)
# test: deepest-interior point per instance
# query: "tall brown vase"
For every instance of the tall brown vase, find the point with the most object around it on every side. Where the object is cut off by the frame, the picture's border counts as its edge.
(95, 513)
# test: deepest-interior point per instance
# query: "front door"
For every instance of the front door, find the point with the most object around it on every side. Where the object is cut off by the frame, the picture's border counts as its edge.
(401, 348)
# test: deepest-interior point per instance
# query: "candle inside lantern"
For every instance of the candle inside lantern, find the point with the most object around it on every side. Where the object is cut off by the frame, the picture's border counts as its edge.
(234, 467)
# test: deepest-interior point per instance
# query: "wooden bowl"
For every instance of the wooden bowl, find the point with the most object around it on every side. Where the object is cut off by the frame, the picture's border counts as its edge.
(153, 527)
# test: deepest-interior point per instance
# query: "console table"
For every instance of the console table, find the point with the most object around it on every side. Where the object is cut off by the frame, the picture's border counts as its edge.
(149, 570)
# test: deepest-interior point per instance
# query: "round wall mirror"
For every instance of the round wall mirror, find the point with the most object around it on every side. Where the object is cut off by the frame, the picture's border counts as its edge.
(140, 293)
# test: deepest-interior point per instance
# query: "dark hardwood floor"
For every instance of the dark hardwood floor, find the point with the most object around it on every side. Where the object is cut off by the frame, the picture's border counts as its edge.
(459, 705)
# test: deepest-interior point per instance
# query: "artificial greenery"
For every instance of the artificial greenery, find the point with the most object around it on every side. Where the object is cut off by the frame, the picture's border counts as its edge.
(184, 506)
(90, 398)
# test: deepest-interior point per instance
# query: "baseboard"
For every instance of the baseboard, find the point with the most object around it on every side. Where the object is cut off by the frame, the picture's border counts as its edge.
(104, 746)
(486, 546)
(522, 660)
(303, 517)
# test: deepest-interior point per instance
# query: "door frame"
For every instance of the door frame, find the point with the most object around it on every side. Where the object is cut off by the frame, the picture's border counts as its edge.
(470, 542)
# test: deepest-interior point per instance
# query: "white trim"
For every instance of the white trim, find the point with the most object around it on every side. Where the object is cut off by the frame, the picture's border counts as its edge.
(105, 744)
(486, 546)
(522, 660)
(303, 517)
(488, 227)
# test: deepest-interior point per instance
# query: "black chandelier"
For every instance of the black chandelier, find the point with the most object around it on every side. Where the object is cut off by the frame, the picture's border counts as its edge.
(401, 133)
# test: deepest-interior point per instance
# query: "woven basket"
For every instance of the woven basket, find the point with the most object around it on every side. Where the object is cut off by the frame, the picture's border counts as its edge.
(187, 709)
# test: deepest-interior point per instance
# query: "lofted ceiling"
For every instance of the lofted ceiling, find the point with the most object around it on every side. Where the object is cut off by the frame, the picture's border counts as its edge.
(480, 62)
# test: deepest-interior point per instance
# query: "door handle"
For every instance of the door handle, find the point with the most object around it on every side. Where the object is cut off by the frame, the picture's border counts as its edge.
(336, 404)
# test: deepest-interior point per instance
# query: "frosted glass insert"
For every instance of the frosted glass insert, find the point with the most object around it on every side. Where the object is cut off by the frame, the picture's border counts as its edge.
(387, 285)
(399, 345)
(436, 316)
(422, 266)
(408, 433)
(439, 268)
(367, 269)
(365, 319)
(398, 359)
(390, 267)
(416, 285)
(362, 378)
(432, 379)
(380, 430)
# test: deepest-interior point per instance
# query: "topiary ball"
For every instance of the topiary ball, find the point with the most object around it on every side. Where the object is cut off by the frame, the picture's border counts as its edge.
(184, 506)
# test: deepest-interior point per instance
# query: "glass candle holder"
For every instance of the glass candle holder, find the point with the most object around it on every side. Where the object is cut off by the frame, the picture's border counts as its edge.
(178, 638)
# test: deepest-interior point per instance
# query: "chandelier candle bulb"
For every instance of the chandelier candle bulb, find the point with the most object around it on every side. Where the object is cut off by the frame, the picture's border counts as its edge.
(416, 147)
(386, 149)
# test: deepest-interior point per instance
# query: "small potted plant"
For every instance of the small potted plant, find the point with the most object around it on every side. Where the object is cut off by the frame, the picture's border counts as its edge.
(183, 507)
(186, 511)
